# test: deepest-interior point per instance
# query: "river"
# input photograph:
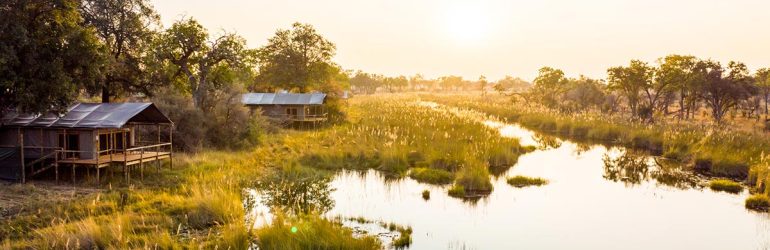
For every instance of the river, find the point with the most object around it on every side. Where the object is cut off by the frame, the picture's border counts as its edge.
(598, 197)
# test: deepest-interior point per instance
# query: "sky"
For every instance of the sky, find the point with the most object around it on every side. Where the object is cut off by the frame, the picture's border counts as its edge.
(495, 38)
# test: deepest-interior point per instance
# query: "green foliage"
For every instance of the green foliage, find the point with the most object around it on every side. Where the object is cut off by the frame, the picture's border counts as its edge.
(523, 181)
(725, 186)
(200, 66)
(296, 59)
(759, 202)
(46, 56)
(227, 125)
(312, 232)
(433, 176)
(124, 30)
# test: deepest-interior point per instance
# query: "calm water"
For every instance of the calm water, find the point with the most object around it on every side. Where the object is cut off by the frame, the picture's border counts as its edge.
(597, 198)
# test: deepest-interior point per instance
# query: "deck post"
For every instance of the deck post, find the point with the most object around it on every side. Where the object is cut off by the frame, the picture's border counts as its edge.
(73, 174)
(125, 160)
(157, 151)
(21, 154)
(171, 146)
(141, 164)
(97, 143)
(56, 166)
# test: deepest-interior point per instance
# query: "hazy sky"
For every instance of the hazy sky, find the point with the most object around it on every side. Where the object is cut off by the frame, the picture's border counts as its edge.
(497, 38)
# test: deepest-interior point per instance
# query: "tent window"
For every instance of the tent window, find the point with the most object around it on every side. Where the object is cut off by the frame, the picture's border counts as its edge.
(71, 142)
(291, 112)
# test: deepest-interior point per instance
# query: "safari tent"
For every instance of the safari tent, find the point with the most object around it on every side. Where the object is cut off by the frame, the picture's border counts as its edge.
(291, 107)
(87, 135)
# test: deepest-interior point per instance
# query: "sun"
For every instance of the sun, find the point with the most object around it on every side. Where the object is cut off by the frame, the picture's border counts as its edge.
(466, 23)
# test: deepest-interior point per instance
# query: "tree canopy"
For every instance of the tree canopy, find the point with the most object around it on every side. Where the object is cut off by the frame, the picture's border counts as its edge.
(296, 59)
(46, 56)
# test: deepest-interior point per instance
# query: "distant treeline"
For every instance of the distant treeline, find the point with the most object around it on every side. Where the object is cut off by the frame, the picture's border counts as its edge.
(675, 86)
(368, 83)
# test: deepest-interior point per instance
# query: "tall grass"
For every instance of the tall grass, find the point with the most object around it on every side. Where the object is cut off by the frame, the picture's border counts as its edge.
(397, 133)
(311, 232)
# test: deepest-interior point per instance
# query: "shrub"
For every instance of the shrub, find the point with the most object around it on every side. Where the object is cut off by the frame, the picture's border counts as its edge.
(432, 176)
(758, 202)
(426, 194)
(523, 181)
(725, 186)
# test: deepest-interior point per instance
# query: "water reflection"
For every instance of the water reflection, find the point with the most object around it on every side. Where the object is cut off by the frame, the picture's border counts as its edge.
(633, 167)
(629, 167)
(296, 190)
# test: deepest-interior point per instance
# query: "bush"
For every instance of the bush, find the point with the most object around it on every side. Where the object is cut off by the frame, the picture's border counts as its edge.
(523, 181)
(426, 194)
(432, 176)
(725, 186)
(225, 124)
(758, 202)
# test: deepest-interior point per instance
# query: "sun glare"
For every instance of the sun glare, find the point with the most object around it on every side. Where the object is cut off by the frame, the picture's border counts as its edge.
(466, 23)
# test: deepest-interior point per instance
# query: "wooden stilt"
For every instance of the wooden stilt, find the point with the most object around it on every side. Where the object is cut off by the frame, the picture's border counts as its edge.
(171, 147)
(56, 166)
(21, 154)
(73, 174)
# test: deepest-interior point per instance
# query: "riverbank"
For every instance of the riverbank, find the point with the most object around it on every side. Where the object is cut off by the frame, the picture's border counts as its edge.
(713, 151)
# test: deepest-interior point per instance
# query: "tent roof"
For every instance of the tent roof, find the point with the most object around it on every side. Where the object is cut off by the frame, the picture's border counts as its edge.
(91, 115)
(283, 98)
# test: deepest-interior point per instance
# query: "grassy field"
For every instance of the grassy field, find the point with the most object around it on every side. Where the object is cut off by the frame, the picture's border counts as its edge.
(715, 151)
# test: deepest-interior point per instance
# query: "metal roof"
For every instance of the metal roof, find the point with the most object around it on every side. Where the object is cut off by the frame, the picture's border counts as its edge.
(91, 115)
(283, 98)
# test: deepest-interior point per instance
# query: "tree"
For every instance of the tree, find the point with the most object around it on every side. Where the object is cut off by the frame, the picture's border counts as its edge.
(398, 82)
(123, 27)
(549, 85)
(630, 82)
(296, 59)
(762, 81)
(584, 93)
(510, 83)
(451, 82)
(365, 83)
(483, 85)
(190, 55)
(678, 72)
(722, 90)
(46, 55)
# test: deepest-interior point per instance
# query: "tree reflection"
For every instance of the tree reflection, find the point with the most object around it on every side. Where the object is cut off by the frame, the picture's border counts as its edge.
(634, 167)
(297, 190)
(629, 168)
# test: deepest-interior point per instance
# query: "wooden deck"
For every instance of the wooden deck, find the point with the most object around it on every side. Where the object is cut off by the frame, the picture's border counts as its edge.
(132, 158)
